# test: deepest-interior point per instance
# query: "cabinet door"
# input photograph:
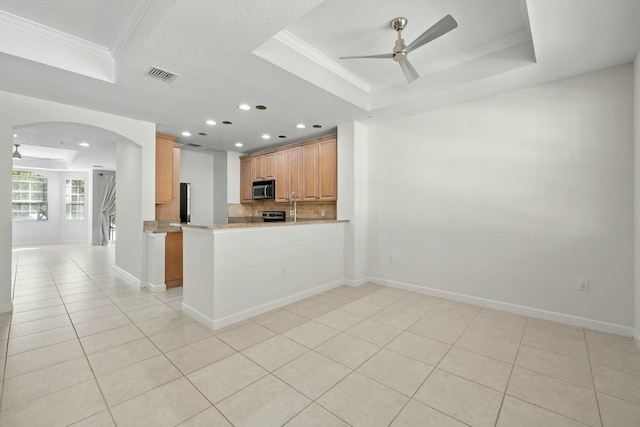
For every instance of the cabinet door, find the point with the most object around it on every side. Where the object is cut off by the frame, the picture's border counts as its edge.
(246, 180)
(269, 171)
(172, 210)
(259, 168)
(294, 161)
(280, 167)
(328, 164)
(173, 260)
(310, 172)
(164, 170)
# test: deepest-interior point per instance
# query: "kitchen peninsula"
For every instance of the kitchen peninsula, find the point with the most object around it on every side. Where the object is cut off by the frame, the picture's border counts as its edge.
(236, 271)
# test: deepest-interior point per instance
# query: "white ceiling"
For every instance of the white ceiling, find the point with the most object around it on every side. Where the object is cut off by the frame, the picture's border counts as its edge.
(56, 146)
(284, 54)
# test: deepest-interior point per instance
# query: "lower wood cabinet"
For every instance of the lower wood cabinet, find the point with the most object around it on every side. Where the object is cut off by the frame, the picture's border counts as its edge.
(173, 260)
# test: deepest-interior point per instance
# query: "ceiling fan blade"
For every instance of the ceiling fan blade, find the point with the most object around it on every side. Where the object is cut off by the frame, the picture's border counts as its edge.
(410, 73)
(382, 55)
(441, 27)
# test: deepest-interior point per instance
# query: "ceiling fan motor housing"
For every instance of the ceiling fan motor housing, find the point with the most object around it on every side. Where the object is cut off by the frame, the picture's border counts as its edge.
(399, 52)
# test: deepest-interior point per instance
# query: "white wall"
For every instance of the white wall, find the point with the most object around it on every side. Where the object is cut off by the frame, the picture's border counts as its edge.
(233, 177)
(56, 229)
(128, 209)
(352, 201)
(513, 199)
(17, 111)
(636, 164)
(220, 188)
(197, 169)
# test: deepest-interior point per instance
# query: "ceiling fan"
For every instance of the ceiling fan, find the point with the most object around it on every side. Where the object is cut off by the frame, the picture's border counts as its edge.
(16, 153)
(400, 50)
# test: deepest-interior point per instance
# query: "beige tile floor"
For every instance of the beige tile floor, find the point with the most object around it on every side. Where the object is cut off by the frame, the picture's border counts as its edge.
(85, 347)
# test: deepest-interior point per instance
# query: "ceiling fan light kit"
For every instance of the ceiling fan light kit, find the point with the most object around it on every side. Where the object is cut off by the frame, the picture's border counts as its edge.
(401, 50)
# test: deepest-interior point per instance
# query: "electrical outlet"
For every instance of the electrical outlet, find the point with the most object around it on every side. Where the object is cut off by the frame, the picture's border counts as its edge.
(321, 212)
(583, 285)
(390, 259)
(284, 270)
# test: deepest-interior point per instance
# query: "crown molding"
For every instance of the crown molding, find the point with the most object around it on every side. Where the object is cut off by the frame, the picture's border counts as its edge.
(129, 28)
(294, 42)
(36, 42)
(22, 26)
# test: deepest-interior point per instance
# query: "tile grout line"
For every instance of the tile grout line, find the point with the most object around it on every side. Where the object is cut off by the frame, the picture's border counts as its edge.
(436, 367)
(513, 365)
(593, 377)
(95, 378)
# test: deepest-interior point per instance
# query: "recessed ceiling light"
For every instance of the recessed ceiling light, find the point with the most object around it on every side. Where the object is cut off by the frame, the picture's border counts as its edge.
(185, 133)
(317, 126)
(266, 136)
(239, 144)
(261, 107)
(211, 122)
(244, 107)
(15, 135)
(300, 126)
(83, 144)
(226, 122)
(282, 136)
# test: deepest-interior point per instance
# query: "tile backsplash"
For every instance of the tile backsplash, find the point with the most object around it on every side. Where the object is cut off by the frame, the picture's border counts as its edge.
(305, 210)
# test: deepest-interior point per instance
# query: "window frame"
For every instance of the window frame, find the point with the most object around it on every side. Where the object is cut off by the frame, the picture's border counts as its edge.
(75, 199)
(30, 179)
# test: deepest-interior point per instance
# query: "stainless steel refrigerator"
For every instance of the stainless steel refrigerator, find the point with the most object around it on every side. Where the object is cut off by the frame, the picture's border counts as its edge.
(185, 202)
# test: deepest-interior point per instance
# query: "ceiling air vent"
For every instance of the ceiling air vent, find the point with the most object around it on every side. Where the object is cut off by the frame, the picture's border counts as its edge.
(191, 144)
(163, 75)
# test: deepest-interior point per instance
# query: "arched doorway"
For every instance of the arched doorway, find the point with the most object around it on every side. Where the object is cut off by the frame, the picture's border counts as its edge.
(135, 165)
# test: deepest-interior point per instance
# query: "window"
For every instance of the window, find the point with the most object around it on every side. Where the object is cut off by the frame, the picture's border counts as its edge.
(75, 199)
(29, 197)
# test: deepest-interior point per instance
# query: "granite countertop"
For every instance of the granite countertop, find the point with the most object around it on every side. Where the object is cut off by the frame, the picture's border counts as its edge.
(163, 226)
(261, 224)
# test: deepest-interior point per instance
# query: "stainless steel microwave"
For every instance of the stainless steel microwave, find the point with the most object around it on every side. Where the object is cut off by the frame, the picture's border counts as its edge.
(264, 190)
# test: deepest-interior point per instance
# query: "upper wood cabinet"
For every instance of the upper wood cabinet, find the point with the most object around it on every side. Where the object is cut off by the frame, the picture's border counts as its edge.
(280, 163)
(310, 173)
(320, 168)
(258, 168)
(328, 167)
(294, 171)
(164, 168)
(308, 169)
(246, 179)
(171, 210)
(263, 167)
(269, 167)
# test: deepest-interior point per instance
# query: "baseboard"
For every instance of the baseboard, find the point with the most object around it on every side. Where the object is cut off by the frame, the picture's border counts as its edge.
(358, 282)
(263, 308)
(155, 288)
(513, 308)
(636, 337)
(196, 315)
(6, 308)
(127, 275)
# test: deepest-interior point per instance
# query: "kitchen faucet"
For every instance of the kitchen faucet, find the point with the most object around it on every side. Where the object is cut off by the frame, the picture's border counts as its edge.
(293, 211)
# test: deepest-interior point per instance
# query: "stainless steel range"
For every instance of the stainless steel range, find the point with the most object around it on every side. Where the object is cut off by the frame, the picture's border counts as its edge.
(273, 216)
